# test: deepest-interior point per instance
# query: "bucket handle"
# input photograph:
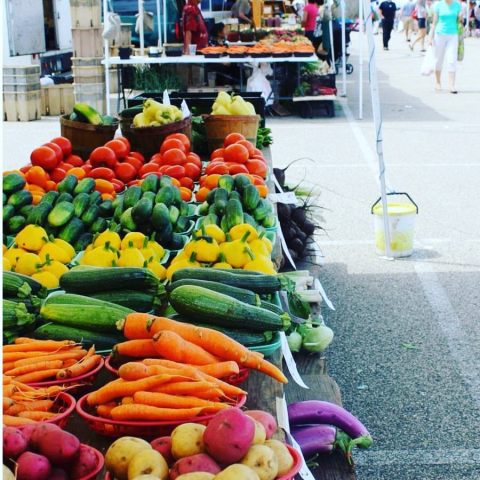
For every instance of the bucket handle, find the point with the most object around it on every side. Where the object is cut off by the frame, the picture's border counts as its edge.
(395, 193)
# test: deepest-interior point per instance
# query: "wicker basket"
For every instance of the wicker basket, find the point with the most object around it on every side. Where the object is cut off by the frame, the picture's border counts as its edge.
(219, 126)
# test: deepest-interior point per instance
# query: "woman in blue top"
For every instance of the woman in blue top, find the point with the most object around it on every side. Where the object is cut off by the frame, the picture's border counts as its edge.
(444, 37)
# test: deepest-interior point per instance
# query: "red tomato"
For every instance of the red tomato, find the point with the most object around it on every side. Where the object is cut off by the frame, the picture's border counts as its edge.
(137, 155)
(257, 167)
(57, 174)
(256, 157)
(65, 144)
(258, 152)
(234, 168)
(249, 146)
(103, 157)
(148, 168)
(175, 171)
(125, 172)
(26, 168)
(186, 182)
(182, 137)
(134, 182)
(163, 168)
(220, 168)
(170, 143)
(157, 158)
(44, 157)
(118, 185)
(145, 175)
(195, 159)
(65, 166)
(217, 153)
(174, 157)
(58, 151)
(87, 168)
(257, 180)
(192, 171)
(203, 179)
(236, 153)
(232, 138)
(102, 172)
(74, 160)
(134, 161)
(125, 141)
(120, 148)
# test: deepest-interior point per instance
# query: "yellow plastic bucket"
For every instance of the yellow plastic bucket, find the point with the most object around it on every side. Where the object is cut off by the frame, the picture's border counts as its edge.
(401, 218)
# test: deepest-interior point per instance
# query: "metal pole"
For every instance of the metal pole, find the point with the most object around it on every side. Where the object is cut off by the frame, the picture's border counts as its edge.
(377, 121)
(106, 49)
(159, 25)
(360, 59)
(165, 39)
(141, 15)
(344, 53)
(330, 25)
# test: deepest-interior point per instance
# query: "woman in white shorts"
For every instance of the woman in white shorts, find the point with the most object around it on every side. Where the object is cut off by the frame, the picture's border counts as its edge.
(444, 37)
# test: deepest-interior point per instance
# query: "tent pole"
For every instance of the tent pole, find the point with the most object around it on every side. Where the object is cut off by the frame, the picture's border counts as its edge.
(330, 25)
(106, 48)
(141, 16)
(377, 121)
(165, 39)
(360, 59)
(344, 53)
(159, 25)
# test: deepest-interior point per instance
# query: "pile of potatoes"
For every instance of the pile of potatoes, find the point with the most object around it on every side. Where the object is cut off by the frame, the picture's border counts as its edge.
(43, 451)
(234, 445)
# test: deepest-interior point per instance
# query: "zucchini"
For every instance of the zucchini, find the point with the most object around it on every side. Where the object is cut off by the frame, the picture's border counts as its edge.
(219, 309)
(13, 182)
(39, 214)
(61, 214)
(18, 285)
(98, 318)
(74, 299)
(257, 283)
(52, 331)
(140, 301)
(272, 307)
(83, 110)
(80, 204)
(114, 278)
(68, 184)
(32, 303)
(20, 199)
(15, 314)
(241, 294)
(246, 338)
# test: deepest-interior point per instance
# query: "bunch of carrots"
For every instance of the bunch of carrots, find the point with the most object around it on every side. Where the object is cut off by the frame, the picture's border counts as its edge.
(162, 390)
(31, 361)
(23, 404)
(151, 336)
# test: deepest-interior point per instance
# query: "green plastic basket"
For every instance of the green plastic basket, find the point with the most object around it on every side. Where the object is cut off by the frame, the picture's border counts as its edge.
(268, 348)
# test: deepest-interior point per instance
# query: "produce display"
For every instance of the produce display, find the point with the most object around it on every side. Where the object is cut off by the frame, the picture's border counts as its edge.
(85, 113)
(232, 105)
(46, 452)
(155, 114)
(234, 445)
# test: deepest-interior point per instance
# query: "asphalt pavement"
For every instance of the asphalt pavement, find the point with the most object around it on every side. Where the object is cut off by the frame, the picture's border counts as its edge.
(406, 353)
(407, 346)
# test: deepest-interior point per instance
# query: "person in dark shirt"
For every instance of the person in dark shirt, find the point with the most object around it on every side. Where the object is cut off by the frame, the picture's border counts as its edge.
(388, 9)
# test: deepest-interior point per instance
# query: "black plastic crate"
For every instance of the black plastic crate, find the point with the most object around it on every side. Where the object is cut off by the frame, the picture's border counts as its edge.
(315, 108)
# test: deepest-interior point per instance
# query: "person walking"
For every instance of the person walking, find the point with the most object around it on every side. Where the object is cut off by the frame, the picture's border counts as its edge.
(407, 18)
(309, 21)
(447, 16)
(388, 9)
(194, 28)
(422, 25)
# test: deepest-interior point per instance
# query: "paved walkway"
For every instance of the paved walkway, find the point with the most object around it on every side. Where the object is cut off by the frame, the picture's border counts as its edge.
(407, 346)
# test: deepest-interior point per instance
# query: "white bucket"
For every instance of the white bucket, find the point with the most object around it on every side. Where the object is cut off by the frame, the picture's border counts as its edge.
(401, 218)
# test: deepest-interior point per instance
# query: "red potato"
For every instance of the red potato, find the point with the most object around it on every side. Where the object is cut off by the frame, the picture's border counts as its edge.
(39, 431)
(14, 442)
(229, 435)
(59, 447)
(195, 463)
(58, 474)
(163, 445)
(85, 463)
(31, 466)
(266, 419)
(27, 430)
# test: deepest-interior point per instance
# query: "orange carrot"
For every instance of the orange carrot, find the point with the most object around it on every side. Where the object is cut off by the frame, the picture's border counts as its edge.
(7, 403)
(11, 421)
(36, 405)
(138, 348)
(204, 390)
(69, 362)
(172, 346)
(75, 354)
(20, 340)
(105, 409)
(44, 365)
(121, 388)
(37, 416)
(165, 400)
(7, 380)
(217, 370)
(127, 401)
(39, 345)
(38, 376)
(79, 368)
(9, 390)
(13, 356)
(8, 366)
(143, 325)
(148, 413)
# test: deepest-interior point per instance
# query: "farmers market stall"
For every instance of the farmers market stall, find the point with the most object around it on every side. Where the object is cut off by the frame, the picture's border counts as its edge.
(141, 292)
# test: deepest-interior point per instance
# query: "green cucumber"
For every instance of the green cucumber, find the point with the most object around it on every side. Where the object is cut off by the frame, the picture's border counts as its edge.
(80, 204)
(132, 196)
(20, 199)
(83, 241)
(61, 214)
(142, 211)
(86, 185)
(250, 197)
(13, 182)
(72, 230)
(150, 183)
(68, 184)
(16, 223)
(39, 214)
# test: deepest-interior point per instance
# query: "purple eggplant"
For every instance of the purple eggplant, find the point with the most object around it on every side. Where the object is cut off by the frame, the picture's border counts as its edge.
(318, 412)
